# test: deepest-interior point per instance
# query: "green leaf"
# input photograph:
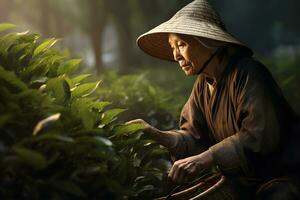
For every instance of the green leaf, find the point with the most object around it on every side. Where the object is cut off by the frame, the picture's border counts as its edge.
(82, 107)
(85, 89)
(4, 118)
(33, 158)
(38, 81)
(30, 97)
(152, 90)
(128, 129)
(11, 81)
(59, 89)
(8, 40)
(6, 26)
(30, 38)
(69, 187)
(159, 152)
(100, 105)
(87, 103)
(68, 66)
(45, 122)
(94, 131)
(55, 137)
(88, 118)
(146, 188)
(19, 47)
(40, 66)
(109, 116)
(81, 104)
(95, 140)
(79, 78)
(44, 46)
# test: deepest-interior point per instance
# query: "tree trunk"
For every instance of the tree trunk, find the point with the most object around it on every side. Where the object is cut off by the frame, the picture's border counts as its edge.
(45, 23)
(97, 22)
(5, 9)
(125, 40)
(121, 13)
(59, 23)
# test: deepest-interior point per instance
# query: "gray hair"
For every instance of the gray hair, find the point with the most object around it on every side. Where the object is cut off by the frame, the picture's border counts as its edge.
(212, 45)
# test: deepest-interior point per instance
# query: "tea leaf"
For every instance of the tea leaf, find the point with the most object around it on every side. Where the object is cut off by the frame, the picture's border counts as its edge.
(59, 89)
(109, 116)
(7, 41)
(82, 107)
(128, 129)
(95, 140)
(44, 46)
(11, 81)
(45, 122)
(6, 26)
(69, 187)
(30, 37)
(19, 47)
(55, 137)
(69, 66)
(100, 105)
(85, 89)
(79, 78)
(33, 158)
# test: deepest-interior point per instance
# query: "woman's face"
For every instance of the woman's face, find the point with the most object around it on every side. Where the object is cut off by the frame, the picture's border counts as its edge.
(188, 52)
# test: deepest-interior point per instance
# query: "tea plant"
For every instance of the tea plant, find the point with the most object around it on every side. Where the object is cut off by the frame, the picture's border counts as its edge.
(58, 140)
(144, 99)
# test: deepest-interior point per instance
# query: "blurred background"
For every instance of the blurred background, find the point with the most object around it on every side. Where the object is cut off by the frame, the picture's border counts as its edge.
(103, 33)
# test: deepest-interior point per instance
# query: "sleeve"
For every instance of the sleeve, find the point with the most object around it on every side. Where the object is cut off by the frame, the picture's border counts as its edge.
(191, 138)
(259, 132)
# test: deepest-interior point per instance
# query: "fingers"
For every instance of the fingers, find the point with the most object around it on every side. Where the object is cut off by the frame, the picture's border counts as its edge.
(179, 171)
(172, 172)
(183, 170)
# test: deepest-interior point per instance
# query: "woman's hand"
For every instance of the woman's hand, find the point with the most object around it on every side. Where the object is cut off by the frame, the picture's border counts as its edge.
(167, 139)
(184, 169)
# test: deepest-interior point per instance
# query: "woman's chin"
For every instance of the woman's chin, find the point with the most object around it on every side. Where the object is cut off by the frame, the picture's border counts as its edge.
(188, 71)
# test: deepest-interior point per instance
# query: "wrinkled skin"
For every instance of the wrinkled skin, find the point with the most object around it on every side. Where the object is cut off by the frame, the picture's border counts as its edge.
(188, 53)
(184, 170)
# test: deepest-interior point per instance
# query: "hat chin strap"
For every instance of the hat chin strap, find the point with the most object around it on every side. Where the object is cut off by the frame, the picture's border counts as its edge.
(204, 66)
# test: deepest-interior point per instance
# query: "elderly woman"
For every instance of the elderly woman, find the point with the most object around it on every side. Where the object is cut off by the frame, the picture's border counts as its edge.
(236, 116)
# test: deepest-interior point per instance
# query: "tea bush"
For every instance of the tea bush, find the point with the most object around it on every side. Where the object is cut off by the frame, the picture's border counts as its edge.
(58, 139)
(284, 66)
(144, 99)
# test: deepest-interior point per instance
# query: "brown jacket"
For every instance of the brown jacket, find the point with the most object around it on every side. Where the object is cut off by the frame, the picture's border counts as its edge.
(245, 122)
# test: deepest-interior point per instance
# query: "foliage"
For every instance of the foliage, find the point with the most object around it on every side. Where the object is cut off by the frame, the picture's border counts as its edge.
(284, 66)
(144, 98)
(58, 140)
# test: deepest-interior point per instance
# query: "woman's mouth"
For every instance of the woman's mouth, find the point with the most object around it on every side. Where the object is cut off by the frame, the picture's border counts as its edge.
(185, 67)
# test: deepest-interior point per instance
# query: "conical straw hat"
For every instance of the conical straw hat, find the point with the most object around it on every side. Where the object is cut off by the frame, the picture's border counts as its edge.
(198, 18)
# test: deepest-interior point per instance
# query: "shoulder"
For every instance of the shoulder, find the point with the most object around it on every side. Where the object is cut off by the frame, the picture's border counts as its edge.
(250, 76)
(249, 69)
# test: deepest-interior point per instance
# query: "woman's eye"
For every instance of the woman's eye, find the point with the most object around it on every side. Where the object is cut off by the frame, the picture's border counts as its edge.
(181, 45)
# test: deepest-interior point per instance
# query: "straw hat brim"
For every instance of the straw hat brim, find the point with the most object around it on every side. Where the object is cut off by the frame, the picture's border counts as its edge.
(155, 42)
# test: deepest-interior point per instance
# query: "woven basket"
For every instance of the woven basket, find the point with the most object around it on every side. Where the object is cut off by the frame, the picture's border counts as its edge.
(213, 187)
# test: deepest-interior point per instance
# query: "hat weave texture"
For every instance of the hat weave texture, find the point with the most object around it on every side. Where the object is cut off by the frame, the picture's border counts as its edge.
(198, 18)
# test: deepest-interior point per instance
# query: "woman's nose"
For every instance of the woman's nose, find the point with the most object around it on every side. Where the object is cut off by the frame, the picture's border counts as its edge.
(176, 54)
